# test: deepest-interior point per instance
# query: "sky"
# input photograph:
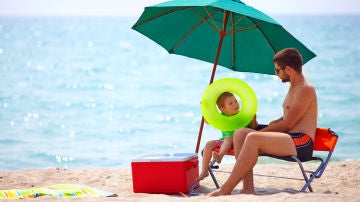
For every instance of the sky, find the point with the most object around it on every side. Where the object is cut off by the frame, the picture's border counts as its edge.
(135, 7)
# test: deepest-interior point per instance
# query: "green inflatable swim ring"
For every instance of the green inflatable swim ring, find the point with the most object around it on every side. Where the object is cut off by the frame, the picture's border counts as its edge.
(240, 89)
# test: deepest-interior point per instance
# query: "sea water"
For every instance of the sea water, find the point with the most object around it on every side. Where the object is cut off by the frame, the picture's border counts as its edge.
(84, 92)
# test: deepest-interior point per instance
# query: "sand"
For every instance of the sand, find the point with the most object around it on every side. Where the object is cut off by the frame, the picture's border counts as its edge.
(340, 182)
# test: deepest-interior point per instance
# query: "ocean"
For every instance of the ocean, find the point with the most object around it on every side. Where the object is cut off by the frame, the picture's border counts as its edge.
(86, 92)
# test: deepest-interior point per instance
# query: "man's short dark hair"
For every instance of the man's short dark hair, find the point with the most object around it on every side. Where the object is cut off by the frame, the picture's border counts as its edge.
(289, 57)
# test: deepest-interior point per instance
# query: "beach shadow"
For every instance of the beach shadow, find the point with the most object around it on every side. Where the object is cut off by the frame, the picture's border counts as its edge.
(271, 191)
(260, 191)
(203, 190)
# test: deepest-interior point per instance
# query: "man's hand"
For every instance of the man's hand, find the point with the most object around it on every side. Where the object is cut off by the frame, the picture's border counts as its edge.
(253, 124)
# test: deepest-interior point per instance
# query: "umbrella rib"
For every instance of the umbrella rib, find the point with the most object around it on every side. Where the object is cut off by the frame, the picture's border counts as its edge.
(212, 19)
(265, 36)
(159, 15)
(240, 19)
(209, 15)
(202, 19)
(186, 35)
(254, 25)
(247, 28)
(234, 24)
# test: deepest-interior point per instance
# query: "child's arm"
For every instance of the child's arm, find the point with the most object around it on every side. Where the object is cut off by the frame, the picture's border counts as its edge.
(253, 124)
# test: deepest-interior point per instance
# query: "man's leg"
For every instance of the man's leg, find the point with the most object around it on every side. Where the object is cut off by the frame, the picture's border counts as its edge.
(256, 143)
(248, 183)
(238, 141)
(239, 138)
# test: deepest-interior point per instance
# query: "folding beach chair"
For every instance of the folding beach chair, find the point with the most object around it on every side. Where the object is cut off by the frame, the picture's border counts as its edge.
(325, 142)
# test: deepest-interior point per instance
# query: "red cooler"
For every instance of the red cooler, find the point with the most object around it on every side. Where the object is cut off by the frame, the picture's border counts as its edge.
(165, 173)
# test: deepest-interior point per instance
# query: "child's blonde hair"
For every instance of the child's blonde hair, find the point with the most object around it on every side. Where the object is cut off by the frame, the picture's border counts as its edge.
(221, 98)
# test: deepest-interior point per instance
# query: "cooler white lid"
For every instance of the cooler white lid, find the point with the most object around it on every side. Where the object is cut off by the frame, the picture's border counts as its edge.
(172, 157)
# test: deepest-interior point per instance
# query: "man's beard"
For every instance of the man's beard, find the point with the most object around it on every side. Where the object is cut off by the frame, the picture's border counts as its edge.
(286, 78)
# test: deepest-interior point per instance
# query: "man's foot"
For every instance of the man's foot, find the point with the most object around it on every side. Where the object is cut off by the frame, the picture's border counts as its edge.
(217, 157)
(203, 175)
(217, 193)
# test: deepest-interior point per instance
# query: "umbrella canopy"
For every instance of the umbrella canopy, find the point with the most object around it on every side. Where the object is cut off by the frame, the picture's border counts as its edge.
(224, 32)
(194, 28)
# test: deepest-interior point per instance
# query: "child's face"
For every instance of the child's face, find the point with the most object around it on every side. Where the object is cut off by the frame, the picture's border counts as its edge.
(231, 106)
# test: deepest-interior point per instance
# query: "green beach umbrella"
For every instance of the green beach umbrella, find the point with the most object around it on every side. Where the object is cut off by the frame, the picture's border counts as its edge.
(225, 32)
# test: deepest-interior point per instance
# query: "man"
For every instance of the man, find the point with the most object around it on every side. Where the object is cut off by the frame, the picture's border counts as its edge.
(292, 134)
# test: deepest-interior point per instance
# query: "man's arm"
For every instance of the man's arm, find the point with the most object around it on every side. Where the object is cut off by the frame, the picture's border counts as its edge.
(300, 103)
(276, 120)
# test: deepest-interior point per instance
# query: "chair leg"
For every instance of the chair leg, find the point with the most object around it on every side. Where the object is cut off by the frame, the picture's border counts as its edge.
(316, 174)
(192, 191)
(307, 180)
(212, 173)
(313, 175)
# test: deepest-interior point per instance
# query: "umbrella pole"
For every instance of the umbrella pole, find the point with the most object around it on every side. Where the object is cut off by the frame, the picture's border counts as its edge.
(222, 35)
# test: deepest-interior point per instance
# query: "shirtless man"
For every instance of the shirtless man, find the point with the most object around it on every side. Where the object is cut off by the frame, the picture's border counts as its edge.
(292, 134)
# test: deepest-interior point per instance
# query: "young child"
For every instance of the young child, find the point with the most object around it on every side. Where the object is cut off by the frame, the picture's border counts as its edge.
(229, 106)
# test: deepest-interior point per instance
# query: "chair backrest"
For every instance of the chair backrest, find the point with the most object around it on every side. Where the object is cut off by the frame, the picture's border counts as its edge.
(325, 139)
